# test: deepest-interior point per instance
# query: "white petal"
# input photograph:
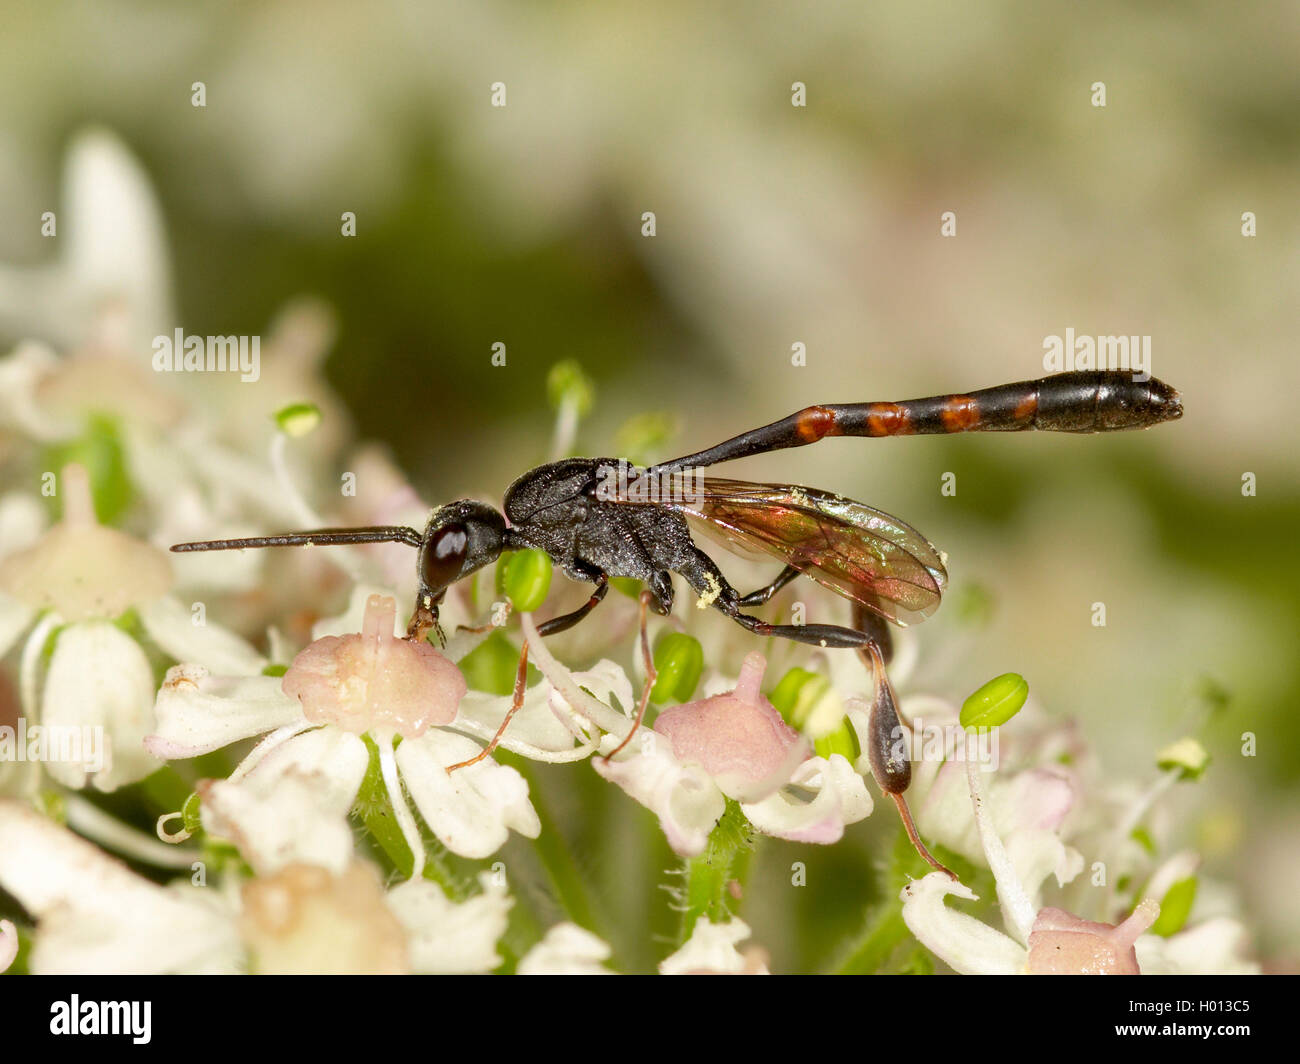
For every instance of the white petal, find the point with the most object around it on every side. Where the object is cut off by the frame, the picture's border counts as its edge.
(197, 712)
(541, 721)
(8, 944)
(22, 519)
(840, 797)
(116, 249)
(1036, 854)
(966, 945)
(684, 797)
(15, 617)
(95, 915)
(566, 949)
(99, 678)
(712, 948)
(21, 373)
(472, 809)
(480, 714)
(170, 624)
(179, 930)
(293, 807)
(449, 938)
(1215, 947)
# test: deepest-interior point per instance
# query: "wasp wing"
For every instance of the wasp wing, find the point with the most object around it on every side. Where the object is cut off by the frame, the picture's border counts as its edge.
(862, 553)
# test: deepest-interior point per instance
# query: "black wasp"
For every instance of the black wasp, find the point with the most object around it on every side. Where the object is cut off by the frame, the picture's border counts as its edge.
(597, 518)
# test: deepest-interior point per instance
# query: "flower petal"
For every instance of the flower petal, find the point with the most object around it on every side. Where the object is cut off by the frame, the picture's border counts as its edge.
(171, 625)
(840, 798)
(684, 797)
(451, 938)
(96, 915)
(198, 712)
(965, 944)
(472, 809)
(544, 720)
(99, 678)
(566, 949)
(711, 949)
(15, 617)
(1215, 947)
(293, 807)
(8, 944)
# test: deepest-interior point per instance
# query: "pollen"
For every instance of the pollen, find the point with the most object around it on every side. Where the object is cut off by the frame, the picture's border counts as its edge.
(711, 595)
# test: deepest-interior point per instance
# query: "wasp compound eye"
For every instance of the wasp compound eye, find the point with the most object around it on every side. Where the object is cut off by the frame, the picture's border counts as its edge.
(443, 558)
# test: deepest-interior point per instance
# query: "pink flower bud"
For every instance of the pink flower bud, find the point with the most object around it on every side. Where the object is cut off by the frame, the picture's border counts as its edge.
(375, 680)
(737, 736)
(1063, 944)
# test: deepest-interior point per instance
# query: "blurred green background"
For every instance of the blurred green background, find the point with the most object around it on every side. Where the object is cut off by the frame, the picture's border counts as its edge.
(777, 225)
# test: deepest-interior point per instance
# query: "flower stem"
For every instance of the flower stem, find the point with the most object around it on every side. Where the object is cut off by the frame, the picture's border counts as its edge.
(713, 877)
(558, 862)
(882, 934)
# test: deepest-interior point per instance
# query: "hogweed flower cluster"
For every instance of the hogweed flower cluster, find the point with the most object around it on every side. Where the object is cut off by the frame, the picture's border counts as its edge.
(302, 791)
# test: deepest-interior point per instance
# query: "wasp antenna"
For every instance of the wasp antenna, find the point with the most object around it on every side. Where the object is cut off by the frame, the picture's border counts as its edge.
(322, 537)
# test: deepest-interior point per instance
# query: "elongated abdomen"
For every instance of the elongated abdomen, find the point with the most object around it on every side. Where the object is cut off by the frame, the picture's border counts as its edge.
(1100, 401)
(1085, 401)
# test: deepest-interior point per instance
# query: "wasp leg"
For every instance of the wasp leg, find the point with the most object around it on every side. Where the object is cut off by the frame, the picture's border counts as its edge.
(757, 598)
(650, 676)
(817, 635)
(875, 625)
(567, 620)
(516, 704)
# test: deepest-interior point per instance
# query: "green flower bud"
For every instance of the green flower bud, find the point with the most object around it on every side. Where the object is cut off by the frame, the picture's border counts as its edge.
(626, 585)
(996, 702)
(843, 740)
(679, 660)
(525, 577)
(298, 419)
(567, 384)
(1143, 838)
(795, 693)
(190, 813)
(1188, 756)
(805, 700)
(1175, 907)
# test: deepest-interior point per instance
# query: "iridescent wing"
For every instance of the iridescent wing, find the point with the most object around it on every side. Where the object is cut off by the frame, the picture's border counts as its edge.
(862, 553)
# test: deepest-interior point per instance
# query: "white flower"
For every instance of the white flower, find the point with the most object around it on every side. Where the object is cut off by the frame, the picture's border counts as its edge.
(1057, 943)
(68, 588)
(8, 944)
(1051, 941)
(735, 745)
(95, 915)
(114, 253)
(566, 949)
(1027, 804)
(711, 950)
(1047, 941)
(287, 802)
